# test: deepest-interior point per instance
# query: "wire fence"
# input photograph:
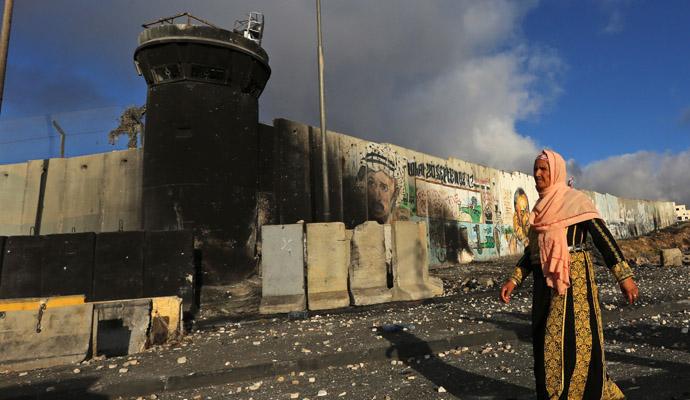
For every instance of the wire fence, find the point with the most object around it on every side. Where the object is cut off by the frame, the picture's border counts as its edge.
(36, 137)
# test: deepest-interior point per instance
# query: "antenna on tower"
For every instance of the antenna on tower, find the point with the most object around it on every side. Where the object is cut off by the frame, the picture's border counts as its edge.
(252, 28)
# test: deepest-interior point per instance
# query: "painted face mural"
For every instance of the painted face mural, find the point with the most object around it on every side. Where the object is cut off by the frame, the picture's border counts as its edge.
(521, 216)
(380, 195)
(383, 172)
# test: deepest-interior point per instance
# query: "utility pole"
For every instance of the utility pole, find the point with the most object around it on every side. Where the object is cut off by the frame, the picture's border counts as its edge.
(4, 45)
(322, 109)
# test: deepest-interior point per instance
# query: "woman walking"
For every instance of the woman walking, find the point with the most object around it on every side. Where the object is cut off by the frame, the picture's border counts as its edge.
(568, 342)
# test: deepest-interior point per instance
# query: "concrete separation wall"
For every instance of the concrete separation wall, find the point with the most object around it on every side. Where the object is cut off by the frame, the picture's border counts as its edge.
(19, 188)
(471, 211)
(95, 193)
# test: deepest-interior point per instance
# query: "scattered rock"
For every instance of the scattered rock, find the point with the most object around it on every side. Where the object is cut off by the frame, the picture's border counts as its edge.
(182, 360)
(671, 257)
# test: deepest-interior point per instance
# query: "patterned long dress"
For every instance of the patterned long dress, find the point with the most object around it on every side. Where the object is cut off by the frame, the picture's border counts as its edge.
(567, 330)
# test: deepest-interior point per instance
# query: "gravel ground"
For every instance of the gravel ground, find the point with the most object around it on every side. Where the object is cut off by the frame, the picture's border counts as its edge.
(647, 350)
(647, 357)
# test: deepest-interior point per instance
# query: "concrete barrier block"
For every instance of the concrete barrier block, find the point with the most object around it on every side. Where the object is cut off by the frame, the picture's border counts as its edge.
(169, 268)
(368, 272)
(282, 268)
(118, 271)
(328, 259)
(411, 280)
(48, 335)
(166, 319)
(120, 327)
(67, 264)
(671, 257)
(22, 263)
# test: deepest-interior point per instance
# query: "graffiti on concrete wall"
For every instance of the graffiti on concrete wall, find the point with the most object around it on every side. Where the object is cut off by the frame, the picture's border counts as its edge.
(440, 173)
(448, 203)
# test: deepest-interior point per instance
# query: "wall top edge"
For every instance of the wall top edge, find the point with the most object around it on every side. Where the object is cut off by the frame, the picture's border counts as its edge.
(454, 159)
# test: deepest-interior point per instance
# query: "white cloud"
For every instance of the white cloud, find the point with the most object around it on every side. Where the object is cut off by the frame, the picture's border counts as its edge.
(640, 175)
(445, 78)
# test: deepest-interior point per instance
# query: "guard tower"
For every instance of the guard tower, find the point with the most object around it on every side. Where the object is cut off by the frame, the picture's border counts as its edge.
(201, 138)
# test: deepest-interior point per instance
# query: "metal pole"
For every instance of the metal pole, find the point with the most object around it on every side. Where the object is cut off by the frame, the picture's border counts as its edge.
(4, 44)
(62, 138)
(322, 109)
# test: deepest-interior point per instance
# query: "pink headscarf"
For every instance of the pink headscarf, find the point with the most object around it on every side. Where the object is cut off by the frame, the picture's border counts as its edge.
(558, 207)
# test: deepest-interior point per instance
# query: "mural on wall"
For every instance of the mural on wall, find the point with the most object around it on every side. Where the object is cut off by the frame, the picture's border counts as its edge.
(466, 218)
(521, 216)
(382, 170)
(471, 212)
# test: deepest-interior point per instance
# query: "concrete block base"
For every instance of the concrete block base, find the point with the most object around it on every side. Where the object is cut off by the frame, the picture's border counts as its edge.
(432, 288)
(363, 297)
(283, 304)
(328, 300)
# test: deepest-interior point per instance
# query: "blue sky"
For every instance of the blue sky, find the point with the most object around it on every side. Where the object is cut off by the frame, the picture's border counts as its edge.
(605, 82)
(626, 87)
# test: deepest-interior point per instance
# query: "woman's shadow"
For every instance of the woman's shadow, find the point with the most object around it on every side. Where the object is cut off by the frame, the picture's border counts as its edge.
(411, 351)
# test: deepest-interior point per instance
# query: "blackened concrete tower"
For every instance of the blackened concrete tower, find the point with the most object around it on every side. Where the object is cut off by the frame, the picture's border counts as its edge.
(201, 140)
